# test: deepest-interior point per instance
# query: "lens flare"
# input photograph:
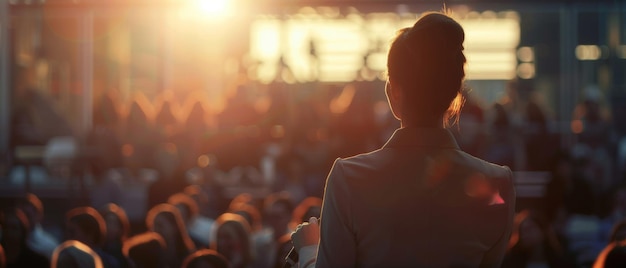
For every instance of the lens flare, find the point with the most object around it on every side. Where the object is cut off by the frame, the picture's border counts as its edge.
(213, 7)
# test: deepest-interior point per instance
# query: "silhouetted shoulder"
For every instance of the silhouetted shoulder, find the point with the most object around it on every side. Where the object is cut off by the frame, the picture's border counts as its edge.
(489, 169)
(382, 158)
(423, 168)
(370, 161)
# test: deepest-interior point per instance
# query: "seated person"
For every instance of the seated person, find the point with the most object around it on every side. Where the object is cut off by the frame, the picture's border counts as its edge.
(145, 250)
(39, 240)
(74, 254)
(14, 231)
(205, 258)
(86, 225)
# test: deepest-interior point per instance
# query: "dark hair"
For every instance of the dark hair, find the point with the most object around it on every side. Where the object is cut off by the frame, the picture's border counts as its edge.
(3, 259)
(426, 61)
(250, 213)
(121, 216)
(616, 257)
(618, 232)
(170, 213)
(241, 198)
(105, 111)
(89, 221)
(145, 250)
(74, 254)
(31, 199)
(279, 198)
(165, 116)
(136, 115)
(196, 193)
(241, 227)
(196, 115)
(208, 255)
(22, 219)
(185, 200)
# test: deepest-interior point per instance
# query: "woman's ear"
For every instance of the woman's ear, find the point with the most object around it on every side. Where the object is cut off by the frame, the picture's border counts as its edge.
(394, 97)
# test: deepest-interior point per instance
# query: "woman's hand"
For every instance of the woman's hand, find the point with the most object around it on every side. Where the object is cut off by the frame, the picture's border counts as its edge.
(306, 234)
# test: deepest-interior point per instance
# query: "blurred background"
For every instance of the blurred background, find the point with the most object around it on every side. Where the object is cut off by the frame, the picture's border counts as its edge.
(131, 101)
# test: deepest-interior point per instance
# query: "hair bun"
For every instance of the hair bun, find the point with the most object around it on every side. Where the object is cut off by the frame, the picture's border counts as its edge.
(427, 63)
(436, 33)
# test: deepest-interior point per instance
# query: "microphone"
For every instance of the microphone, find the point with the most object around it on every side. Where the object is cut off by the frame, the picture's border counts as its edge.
(292, 258)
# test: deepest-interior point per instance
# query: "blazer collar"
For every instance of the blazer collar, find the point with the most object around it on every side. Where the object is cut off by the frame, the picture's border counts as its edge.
(422, 137)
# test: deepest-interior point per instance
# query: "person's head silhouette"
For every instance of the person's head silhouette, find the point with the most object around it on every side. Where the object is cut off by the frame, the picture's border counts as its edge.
(205, 258)
(75, 254)
(425, 68)
(117, 223)
(86, 225)
(145, 250)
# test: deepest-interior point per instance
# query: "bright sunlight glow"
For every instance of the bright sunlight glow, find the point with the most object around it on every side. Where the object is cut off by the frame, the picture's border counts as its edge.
(341, 44)
(213, 8)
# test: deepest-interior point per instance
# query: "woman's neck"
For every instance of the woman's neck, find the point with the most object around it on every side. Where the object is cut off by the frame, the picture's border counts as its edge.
(438, 123)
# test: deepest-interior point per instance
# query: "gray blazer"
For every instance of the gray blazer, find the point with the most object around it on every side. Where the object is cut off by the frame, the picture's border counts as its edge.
(419, 201)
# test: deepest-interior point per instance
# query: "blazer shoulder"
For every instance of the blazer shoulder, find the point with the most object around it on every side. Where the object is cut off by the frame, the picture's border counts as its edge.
(500, 176)
(491, 170)
(371, 159)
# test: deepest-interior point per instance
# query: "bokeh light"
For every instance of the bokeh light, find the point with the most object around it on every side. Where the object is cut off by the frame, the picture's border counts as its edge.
(212, 8)
(204, 161)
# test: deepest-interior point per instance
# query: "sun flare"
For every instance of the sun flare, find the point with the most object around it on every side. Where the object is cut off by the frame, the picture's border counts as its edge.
(213, 8)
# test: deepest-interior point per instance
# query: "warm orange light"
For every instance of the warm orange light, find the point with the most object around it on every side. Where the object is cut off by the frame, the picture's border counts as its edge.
(340, 104)
(477, 186)
(253, 131)
(277, 131)
(213, 8)
(321, 134)
(127, 150)
(204, 161)
(170, 148)
(577, 126)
